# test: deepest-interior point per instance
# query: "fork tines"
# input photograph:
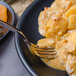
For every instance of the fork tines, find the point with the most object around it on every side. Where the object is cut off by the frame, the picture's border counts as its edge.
(47, 53)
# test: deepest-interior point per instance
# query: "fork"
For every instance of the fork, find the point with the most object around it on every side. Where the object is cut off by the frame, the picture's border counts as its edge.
(46, 53)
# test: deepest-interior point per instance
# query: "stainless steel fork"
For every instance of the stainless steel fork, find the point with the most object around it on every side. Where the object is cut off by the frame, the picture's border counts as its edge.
(47, 53)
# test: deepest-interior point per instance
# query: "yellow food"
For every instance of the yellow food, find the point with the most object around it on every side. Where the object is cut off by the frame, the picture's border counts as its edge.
(56, 28)
(49, 42)
(3, 13)
(57, 24)
(71, 44)
(71, 11)
(72, 22)
(71, 64)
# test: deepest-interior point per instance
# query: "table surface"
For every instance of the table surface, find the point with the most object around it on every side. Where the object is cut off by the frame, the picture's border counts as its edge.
(23, 5)
(10, 64)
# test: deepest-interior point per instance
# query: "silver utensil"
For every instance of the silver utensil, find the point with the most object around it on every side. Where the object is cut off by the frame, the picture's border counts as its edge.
(48, 53)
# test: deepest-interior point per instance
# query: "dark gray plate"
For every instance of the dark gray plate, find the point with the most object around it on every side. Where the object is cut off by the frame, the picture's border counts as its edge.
(28, 23)
(11, 17)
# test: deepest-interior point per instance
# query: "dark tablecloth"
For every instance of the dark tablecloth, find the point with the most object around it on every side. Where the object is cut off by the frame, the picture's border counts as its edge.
(10, 64)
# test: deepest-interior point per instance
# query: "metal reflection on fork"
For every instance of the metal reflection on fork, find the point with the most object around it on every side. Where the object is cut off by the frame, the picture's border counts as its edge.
(47, 53)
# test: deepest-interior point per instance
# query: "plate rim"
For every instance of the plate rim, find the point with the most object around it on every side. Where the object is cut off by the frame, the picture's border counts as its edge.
(18, 49)
(13, 19)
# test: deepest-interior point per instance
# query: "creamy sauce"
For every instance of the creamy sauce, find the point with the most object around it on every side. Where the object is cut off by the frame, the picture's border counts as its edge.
(57, 24)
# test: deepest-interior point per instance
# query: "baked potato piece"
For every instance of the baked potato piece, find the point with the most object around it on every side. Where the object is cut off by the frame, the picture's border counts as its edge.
(71, 65)
(57, 28)
(42, 23)
(71, 43)
(61, 51)
(72, 22)
(46, 42)
(71, 11)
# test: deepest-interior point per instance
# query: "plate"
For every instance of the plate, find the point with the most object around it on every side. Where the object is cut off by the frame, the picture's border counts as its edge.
(11, 18)
(28, 23)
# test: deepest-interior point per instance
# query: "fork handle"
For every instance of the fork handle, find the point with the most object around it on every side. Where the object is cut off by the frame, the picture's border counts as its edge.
(15, 30)
(8, 26)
